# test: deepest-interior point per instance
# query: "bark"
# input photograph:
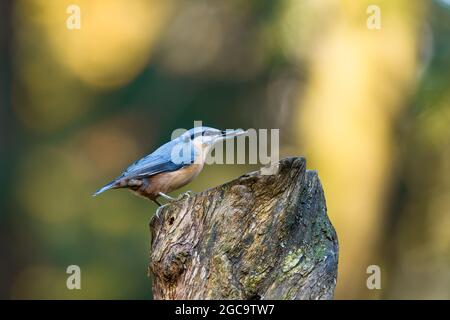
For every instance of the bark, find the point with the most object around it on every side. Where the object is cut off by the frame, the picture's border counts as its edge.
(256, 237)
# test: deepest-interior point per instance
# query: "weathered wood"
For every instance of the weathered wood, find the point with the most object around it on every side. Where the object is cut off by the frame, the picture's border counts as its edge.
(256, 237)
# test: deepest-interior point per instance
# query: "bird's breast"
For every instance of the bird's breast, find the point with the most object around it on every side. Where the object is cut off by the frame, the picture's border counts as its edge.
(169, 181)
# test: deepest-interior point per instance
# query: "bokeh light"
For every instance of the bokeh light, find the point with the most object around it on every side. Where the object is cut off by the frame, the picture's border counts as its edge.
(369, 109)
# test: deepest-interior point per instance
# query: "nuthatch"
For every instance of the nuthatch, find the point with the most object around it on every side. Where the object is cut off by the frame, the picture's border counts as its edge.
(172, 165)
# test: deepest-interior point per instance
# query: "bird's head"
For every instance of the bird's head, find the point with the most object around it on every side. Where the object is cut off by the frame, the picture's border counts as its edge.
(206, 137)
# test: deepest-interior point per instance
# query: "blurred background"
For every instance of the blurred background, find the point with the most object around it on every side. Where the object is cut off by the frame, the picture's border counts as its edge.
(369, 109)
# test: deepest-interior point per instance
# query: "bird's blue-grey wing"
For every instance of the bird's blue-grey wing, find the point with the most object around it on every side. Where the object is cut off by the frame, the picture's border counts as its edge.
(162, 160)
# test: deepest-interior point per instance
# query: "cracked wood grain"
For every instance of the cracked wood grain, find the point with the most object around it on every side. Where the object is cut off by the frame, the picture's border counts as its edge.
(256, 237)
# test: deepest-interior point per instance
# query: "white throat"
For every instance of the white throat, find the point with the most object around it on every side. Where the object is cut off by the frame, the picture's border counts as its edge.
(201, 151)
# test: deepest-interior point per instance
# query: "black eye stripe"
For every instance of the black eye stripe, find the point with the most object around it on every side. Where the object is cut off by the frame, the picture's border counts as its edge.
(194, 135)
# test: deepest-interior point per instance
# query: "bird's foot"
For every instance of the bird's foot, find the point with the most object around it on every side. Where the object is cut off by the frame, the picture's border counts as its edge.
(158, 211)
(167, 197)
(187, 194)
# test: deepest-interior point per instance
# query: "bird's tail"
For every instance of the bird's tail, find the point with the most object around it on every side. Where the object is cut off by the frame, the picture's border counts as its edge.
(112, 185)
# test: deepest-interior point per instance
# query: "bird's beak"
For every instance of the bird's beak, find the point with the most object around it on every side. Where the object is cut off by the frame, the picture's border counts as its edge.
(232, 133)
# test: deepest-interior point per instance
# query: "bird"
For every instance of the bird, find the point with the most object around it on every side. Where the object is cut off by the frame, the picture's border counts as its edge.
(172, 165)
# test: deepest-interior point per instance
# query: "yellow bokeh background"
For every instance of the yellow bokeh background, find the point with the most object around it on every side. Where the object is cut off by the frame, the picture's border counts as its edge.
(369, 109)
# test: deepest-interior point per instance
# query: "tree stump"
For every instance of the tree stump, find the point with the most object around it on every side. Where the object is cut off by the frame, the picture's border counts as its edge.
(256, 237)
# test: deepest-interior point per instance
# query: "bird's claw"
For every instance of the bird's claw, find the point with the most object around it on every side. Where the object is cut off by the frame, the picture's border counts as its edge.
(187, 194)
(158, 211)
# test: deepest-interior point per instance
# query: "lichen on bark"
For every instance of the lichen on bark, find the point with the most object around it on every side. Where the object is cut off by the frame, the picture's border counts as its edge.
(256, 237)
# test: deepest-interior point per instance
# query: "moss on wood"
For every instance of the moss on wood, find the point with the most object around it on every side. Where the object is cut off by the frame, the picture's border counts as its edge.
(258, 236)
